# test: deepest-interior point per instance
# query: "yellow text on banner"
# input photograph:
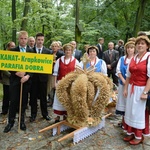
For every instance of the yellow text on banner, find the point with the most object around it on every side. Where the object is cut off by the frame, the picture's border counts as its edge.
(26, 62)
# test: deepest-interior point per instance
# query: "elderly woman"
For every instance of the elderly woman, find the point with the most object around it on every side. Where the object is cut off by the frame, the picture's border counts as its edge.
(55, 50)
(99, 64)
(136, 88)
(63, 66)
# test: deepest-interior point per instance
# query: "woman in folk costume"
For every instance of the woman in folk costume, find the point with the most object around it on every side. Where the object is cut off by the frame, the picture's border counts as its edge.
(63, 66)
(136, 87)
(121, 73)
(99, 64)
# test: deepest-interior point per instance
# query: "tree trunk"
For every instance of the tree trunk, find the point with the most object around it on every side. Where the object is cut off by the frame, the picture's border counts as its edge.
(139, 16)
(25, 12)
(77, 30)
(13, 18)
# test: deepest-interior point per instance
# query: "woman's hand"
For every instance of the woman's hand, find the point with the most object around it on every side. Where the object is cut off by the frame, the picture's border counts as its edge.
(125, 93)
(123, 81)
(109, 67)
(143, 96)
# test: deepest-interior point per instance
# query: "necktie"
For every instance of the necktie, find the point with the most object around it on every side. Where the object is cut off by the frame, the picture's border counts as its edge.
(100, 47)
(39, 51)
(110, 56)
(22, 49)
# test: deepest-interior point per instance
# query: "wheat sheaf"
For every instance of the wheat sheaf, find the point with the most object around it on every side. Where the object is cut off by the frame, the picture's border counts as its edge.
(84, 94)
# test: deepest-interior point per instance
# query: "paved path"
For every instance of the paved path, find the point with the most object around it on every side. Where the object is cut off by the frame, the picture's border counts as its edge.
(108, 138)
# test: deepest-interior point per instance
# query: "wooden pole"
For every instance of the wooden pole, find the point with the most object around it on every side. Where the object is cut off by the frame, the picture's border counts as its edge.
(52, 126)
(107, 115)
(64, 122)
(20, 107)
(69, 135)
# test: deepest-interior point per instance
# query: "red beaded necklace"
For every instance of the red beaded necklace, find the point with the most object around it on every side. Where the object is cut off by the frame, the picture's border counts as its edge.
(140, 58)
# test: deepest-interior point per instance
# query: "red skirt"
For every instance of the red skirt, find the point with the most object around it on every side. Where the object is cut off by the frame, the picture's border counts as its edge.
(138, 132)
(58, 112)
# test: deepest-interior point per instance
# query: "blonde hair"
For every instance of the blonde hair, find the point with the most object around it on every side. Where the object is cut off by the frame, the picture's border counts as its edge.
(132, 39)
(54, 43)
(121, 42)
(31, 37)
(23, 33)
(129, 44)
(60, 44)
(67, 46)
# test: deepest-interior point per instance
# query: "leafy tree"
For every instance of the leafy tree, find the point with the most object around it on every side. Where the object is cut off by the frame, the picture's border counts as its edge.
(13, 19)
(6, 23)
(113, 19)
(25, 12)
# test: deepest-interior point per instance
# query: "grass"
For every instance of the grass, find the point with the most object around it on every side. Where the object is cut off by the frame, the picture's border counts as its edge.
(1, 92)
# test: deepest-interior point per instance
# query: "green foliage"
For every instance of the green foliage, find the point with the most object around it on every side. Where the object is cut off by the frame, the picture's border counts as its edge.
(146, 19)
(113, 20)
(6, 24)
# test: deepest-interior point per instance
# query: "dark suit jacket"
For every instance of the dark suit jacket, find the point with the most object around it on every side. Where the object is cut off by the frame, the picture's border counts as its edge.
(101, 50)
(114, 60)
(40, 76)
(13, 78)
(58, 54)
(78, 54)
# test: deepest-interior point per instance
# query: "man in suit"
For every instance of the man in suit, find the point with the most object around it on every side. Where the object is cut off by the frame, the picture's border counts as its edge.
(16, 78)
(39, 83)
(31, 42)
(120, 48)
(5, 81)
(76, 53)
(100, 48)
(111, 58)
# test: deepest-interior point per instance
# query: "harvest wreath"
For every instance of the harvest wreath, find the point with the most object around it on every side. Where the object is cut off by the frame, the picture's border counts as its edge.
(84, 94)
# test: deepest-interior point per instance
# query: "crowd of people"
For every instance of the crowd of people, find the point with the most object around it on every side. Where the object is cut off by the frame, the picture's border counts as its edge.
(127, 65)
